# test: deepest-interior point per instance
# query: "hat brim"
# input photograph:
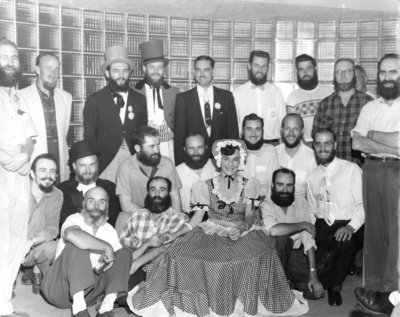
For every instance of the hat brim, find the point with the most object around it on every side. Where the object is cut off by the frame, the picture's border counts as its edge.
(117, 60)
(83, 154)
(157, 59)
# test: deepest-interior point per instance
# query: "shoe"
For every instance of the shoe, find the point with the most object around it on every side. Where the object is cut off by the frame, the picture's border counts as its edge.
(16, 314)
(37, 282)
(373, 301)
(82, 313)
(27, 276)
(334, 298)
(106, 314)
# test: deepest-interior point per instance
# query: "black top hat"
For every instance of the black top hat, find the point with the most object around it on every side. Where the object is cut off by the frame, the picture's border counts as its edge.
(80, 149)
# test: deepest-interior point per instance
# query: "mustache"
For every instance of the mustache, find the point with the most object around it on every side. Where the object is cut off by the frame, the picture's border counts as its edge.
(48, 179)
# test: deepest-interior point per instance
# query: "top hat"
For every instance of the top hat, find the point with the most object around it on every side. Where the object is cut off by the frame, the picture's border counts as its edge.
(116, 54)
(80, 149)
(153, 51)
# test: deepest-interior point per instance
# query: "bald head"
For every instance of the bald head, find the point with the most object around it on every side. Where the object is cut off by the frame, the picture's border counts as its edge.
(95, 204)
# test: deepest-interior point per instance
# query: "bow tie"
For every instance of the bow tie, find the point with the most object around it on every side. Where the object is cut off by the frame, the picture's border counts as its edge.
(84, 188)
(230, 178)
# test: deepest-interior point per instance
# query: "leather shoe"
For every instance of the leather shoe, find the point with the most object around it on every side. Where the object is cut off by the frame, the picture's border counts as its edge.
(106, 314)
(16, 314)
(373, 301)
(27, 276)
(334, 298)
(37, 282)
(82, 313)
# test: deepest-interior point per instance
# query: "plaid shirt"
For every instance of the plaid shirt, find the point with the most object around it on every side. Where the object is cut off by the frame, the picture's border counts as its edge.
(141, 226)
(334, 115)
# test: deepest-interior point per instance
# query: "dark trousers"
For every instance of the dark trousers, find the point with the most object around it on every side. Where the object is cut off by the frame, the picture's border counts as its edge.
(295, 264)
(334, 257)
(381, 191)
(72, 272)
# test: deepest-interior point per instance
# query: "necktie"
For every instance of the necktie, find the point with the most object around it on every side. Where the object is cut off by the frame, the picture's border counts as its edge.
(157, 89)
(207, 110)
(120, 100)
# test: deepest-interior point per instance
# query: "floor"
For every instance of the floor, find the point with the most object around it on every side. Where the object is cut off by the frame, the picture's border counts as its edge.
(37, 307)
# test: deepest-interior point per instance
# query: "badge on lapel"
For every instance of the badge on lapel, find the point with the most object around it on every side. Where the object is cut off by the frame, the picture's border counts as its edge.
(131, 115)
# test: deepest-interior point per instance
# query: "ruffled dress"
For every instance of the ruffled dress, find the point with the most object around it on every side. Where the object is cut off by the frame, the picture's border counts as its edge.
(205, 273)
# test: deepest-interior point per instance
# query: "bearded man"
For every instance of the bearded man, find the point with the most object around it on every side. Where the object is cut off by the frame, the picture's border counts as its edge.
(84, 164)
(197, 166)
(135, 172)
(261, 97)
(50, 109)
(294, 154)
(16, 147)
(90, 261)
(377, 135)
(339, 111)
(111, 114)
(160, 97)
(289, 222)
(334, 194)
(305, 100)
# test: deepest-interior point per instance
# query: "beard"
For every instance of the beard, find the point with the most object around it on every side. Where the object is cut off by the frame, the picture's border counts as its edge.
(149, 160)
(294, 144)
(47, 189)
(157, 204)
(344, 86)
(195, 162)
(308, 84)
(325, 160)
(389, 93)
(151, 82)
(254, 146)
(257, 81)
(95, 215)
(282, 199)
(7, 79)
(49, 85)
(114, 86)
(86, 179)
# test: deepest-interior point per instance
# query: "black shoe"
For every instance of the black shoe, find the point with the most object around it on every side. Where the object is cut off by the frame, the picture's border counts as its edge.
(334, 298)
(27, 276)
(373, 301)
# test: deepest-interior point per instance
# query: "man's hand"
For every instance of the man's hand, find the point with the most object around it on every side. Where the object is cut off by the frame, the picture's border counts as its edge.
(344, 233)
(308, 226)
(234, 234)
(109, 258)
(155, 241)
(169, 237)
(315, 286)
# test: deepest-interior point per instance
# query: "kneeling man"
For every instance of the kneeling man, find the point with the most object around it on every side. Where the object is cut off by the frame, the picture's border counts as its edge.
(288, 221)
(89, 260)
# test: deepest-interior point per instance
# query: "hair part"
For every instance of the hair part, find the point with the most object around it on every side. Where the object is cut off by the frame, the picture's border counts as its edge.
(252, 117)
(44, 156)
(283, 170)
(204, 58)
(258, 53)
(305, 58)
(169, 184)
(322, 131)
(345, 60)
(139, 134)
(388, 56)
(192, 134)
(43, 54)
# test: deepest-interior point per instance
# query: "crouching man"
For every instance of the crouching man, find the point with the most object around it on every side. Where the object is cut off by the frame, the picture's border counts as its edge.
(89, 261)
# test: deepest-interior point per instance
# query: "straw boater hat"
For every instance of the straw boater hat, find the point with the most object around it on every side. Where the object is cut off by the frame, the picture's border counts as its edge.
(153, 51)
(116, 54)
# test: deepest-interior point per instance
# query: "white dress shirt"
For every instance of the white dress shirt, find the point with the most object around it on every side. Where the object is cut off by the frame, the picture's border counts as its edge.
(302, 162)
(335, 193)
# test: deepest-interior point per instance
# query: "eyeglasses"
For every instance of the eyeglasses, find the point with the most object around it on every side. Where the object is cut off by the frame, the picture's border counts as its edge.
(344, 72)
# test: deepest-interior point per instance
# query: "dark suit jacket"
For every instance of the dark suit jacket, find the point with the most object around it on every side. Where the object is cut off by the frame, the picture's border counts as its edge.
(73, 199)
(103, 128)
(169, 95)
(189, 118)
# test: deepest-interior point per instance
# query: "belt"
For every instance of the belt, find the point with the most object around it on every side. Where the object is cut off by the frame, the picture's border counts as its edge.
(383, 158)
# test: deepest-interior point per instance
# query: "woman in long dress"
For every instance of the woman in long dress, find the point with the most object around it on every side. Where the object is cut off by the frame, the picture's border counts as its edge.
(225, 266)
